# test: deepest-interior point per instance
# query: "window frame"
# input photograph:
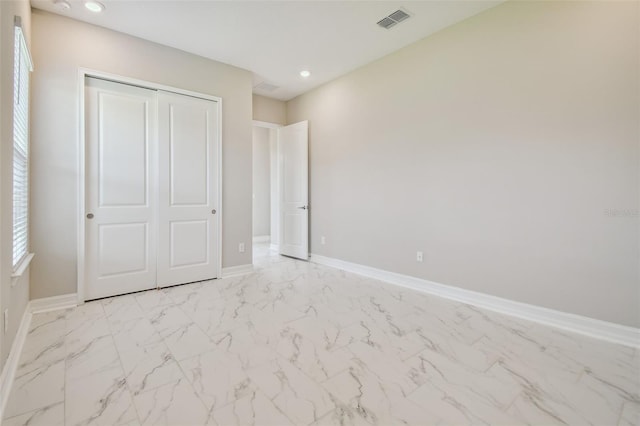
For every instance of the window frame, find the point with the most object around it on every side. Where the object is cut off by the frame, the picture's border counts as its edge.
(22, 67)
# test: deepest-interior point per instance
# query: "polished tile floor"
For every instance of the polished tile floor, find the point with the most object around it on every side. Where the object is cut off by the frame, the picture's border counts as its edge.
(303, 344)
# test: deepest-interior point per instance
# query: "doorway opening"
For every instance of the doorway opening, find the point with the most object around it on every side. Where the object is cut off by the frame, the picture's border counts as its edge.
(265, 190)
(281, 189)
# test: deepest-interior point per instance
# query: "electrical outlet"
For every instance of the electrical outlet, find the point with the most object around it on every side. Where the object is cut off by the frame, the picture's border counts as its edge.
(241, 247)
(6, 320)
(419, 256)
(323, 240)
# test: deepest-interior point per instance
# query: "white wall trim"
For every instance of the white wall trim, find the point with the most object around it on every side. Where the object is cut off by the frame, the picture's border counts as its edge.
(54, 303)
(233, 271)
(262, 239)
(80, 201)
(616, 333)
(266, 124)
(33, 307)
(23, 265)
(20, 270)
(11, 366)
(88, 72)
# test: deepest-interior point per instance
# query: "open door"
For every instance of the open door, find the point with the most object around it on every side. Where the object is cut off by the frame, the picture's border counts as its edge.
(294, 190)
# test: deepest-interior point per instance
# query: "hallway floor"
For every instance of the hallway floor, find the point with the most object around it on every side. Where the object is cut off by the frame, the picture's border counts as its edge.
(304, 344)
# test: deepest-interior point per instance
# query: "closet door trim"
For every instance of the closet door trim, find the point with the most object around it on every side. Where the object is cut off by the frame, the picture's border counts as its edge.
(83, 74)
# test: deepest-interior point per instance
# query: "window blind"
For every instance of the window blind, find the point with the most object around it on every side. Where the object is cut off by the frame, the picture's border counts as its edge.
(22, 68)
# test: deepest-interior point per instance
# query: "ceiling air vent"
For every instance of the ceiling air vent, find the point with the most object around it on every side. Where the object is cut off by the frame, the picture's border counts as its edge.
(393, 19)
(267, 87)
(399, 15)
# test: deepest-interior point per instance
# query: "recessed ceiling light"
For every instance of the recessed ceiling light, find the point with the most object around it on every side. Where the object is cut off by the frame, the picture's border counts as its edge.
(62, 5)
(94, 6)
(305, 73)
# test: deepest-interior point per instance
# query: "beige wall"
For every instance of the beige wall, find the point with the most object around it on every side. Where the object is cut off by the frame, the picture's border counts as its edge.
(499, 147)
(61, 46)
(269, 110)
(261, 182)
(13, 298)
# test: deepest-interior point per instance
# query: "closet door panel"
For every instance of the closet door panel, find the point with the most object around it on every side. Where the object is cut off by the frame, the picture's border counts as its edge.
(188, 142)
(189, 155)
(120, 197)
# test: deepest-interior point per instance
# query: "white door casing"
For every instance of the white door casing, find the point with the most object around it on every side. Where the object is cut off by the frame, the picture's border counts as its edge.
(294, 190)
(188, 130)
(120, 201)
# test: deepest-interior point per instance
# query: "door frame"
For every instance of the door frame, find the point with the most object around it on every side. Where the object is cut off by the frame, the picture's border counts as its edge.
(274, 184)
(83, 73)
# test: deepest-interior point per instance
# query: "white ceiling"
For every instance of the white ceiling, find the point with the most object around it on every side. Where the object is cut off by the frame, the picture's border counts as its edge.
(277, 39)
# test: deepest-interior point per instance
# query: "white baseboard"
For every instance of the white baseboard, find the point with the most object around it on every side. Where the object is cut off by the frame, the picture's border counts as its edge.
(274, 247)
(11, 366)
(233, 271)
(33, 307)
(54, 303)
(262, 239)
(598, 329)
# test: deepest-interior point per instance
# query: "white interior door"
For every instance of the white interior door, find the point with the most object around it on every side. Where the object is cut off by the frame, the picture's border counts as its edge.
(294, 190)
(188, 183)
(120, 200)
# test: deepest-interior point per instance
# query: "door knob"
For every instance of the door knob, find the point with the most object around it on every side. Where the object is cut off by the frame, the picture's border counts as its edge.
(213, 211)
(90, 216)
(303, 207)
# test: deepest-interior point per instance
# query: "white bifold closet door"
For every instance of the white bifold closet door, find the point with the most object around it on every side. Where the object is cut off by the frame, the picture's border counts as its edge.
(151, 189)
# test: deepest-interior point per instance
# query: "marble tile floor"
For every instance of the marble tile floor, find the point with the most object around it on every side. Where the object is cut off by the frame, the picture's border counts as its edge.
(303, 344)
